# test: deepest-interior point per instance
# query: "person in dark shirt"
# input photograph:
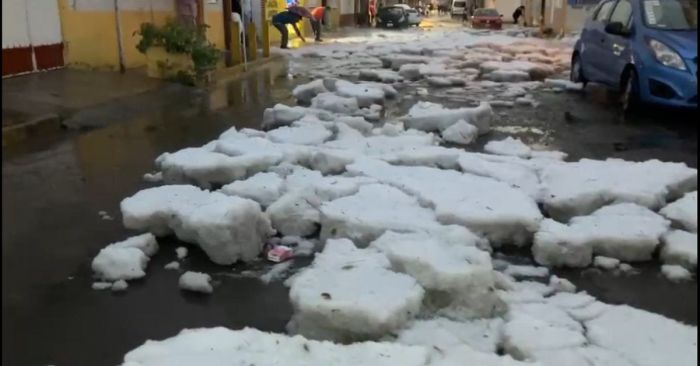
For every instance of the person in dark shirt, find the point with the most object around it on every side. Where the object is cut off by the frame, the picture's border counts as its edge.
(281, 20)
(518, 13)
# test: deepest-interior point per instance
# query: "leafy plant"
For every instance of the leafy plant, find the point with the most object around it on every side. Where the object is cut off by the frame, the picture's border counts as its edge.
(179, 38)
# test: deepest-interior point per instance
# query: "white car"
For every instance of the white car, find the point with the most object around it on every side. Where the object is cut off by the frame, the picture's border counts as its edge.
(458, 8)
(414, 17)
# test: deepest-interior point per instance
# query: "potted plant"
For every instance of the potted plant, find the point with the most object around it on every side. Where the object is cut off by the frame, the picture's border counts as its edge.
(177, 51)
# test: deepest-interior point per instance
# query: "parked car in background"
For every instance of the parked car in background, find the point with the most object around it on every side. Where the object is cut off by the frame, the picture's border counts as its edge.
(414, 17)
(458, 8)
(487, 18)
(392, 17)
(646, 49)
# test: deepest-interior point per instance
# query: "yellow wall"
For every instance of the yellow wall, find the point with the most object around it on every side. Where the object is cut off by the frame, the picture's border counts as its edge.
(89, 37)
(130, 23)
(91, 42)
(215, 33)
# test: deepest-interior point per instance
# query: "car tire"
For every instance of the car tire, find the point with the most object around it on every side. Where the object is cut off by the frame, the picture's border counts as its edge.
(576, 74)
(629, 98)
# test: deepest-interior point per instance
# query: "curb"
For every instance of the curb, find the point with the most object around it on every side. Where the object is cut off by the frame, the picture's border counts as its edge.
(50, 122)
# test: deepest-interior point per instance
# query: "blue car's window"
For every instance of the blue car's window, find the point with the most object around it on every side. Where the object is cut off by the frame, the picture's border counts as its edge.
(671, 14)
(604, 12)
(622, 13)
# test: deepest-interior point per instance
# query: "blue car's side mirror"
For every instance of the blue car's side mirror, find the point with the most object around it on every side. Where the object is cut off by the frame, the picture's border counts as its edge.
(616, 28)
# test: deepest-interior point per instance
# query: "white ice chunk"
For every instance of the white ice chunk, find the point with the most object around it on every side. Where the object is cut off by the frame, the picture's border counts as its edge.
(680, 248)
(101, 285)
(357, 123)
(261, 153)
(557, 245)
(535, 70)
(575, 189)
(481, 334)
(548, 313)
(295, 213)
(181, 252)
(145, 242)
(174, 265)
(227, 228)
(588, 312)
(305, 92)
(366, 94)
(307, 134)
(196, 281)
(442, 81)
(221, 346)
(427, 116)
(606, 262)
(125, 260)
(644, 338)
(625, 231)
(509, 146)
(567, 301)
(518, 173)
(431, 156)
(374, 209)
(461, 133)
(334, 103)
(485, 206)
(349, 293)
(684, 212)
(204, 167)
(381, 144)
(525, 292)
(264, 188)
(156, 177)
(525, 336)
(511, 76)
(282, 115)
(558, 284)
(385, 76)
(410, 71)
(675, 272)
(458, 276)
(333, 187)
(120, 285)
(526, 271)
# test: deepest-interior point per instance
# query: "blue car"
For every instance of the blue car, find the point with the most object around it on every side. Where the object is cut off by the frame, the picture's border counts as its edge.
(646, 49)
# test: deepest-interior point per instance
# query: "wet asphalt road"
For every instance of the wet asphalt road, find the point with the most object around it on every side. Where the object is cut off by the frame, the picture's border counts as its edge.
(53, 188)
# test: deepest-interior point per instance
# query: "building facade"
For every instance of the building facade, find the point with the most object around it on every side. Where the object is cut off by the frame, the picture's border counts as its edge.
(100, 34)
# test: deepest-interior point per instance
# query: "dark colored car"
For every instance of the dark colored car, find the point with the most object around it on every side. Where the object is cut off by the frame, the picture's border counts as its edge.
(487, 18)
(392, 17)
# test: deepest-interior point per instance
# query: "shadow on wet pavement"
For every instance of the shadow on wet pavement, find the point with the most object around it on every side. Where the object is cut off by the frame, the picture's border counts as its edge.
(53, 189)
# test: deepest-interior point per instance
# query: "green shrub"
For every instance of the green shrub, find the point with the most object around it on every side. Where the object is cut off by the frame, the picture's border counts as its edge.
(178, 38)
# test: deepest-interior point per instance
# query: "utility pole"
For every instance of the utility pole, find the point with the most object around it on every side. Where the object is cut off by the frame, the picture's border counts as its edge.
(120, 42)
(542, 12)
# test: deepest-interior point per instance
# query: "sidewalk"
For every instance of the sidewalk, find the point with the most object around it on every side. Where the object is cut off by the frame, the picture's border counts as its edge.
(46, 102)
(40, 102)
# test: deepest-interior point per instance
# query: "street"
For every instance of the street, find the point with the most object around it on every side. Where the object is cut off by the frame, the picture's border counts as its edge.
(55, 186)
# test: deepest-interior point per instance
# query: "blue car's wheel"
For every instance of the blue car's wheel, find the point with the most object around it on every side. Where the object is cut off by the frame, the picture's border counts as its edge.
(576, 74)
(630, 92)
